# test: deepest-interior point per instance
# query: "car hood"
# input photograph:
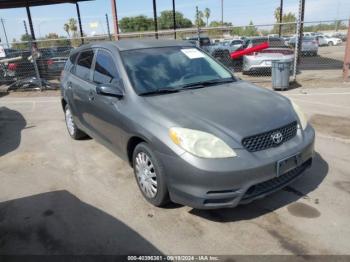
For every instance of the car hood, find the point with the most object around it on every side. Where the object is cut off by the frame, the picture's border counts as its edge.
(229, 111)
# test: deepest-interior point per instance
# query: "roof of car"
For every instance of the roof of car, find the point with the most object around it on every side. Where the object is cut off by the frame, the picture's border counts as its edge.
(124, 45)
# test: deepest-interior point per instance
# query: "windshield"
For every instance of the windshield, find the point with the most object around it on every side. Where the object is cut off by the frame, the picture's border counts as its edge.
(154, 69)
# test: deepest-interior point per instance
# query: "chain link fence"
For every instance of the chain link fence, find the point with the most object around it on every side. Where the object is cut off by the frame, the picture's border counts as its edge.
(247, 50)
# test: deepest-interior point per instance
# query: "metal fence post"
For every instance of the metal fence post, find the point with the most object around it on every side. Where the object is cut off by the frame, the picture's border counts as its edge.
(298, 43)
(34, 52)
(346, 64)
(198, 26)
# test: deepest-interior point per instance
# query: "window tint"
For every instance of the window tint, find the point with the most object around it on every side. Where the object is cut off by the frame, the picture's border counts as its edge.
(105, 69)
(82, 69)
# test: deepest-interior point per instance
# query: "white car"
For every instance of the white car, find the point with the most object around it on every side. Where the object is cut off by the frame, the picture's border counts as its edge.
(322, 41)
(333, 40)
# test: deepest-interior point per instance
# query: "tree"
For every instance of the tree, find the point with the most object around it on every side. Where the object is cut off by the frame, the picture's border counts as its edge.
(66, 29)
(23, 44)
(136, 24)
(218, 24)
(165, 20)
(199, 19)
(251, 30)
(53, 40)
(207, 14)
(73, 25)
(286, 18)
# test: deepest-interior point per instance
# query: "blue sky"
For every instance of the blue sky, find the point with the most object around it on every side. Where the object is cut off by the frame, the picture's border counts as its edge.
(51, 18)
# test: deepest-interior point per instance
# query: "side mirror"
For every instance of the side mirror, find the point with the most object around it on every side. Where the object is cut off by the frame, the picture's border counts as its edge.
(114, 90)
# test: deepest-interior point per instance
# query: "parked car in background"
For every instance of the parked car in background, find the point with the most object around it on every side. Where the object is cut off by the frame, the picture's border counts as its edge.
(51, 61)
(309, 45)
(331, 41)
(192, 132)
(218, 51)
(339, 35)
(17, 65)
(232, 44)
(322, 41)
(262, 60)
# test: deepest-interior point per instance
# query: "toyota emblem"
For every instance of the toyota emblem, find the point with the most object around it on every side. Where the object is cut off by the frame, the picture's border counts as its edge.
(277, 138)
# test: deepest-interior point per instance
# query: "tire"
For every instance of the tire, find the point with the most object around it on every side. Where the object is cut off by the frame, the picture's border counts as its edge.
(331, 43)
(152, 184)
(72, 129)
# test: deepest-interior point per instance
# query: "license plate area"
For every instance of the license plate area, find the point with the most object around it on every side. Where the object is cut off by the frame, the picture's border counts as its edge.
(287, 164)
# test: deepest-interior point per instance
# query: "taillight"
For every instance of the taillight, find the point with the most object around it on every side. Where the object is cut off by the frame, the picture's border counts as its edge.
(314, 42)
(50, 62)
(12, 66)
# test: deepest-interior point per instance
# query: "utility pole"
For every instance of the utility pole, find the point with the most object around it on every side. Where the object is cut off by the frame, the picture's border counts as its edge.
(222, 12)
(3, 27)
(174, 19)
(25, 27)
(281, 19)
(108, 29)
(115, 19)
(155, 19)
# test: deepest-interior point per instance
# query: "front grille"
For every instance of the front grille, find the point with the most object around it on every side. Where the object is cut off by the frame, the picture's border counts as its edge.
(275, 183)
(264, 141)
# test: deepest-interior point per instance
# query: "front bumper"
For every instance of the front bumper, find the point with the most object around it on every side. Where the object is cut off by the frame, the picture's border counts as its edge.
(222, 183)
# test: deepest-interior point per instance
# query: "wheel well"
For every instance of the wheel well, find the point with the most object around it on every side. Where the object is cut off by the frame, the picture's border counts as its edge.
(133, 142)
(64, 103)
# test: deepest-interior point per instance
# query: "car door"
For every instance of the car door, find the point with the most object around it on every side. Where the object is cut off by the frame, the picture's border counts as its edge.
(81, 85)
(106, 111)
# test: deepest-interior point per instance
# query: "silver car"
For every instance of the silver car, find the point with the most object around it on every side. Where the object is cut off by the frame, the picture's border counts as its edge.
(309, 45)
(193, 133)
(232, 44)
(262, 60)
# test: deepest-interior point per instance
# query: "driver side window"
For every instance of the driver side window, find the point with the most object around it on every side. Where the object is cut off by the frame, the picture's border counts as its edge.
(106, 71)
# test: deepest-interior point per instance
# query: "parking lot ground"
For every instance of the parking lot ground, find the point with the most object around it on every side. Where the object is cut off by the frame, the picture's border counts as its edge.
(59, 196)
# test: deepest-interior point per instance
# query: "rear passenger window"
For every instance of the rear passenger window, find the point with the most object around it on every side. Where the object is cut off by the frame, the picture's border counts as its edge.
(105, 68)
(83, 66)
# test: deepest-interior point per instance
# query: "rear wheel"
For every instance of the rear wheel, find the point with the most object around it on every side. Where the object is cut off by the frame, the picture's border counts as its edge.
(73, 130)
(331, 43)
(149, 175)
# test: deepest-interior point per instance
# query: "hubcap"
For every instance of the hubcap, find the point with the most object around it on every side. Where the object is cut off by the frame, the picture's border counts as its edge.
(146, 175)
(69, 122)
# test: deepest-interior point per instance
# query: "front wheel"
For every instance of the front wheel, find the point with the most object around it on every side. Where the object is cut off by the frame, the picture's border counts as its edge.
(149, 175)
(331, 43)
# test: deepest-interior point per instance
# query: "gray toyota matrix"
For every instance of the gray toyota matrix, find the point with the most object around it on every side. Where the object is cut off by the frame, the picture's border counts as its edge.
(193, 133)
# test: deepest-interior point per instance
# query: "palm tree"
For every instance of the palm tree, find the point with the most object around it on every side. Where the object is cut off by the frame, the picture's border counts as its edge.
(207, 14)
(66, 29)
(73, 25)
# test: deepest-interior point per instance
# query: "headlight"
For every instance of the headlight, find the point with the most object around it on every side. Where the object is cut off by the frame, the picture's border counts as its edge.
(301, 115)
(200, 143)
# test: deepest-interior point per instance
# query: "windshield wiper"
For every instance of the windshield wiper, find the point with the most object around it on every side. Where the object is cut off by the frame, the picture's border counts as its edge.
(202, 84)
(160, 91)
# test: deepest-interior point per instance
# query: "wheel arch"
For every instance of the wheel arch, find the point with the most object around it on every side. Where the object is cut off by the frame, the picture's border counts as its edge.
(131, 145)
(63, 103)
